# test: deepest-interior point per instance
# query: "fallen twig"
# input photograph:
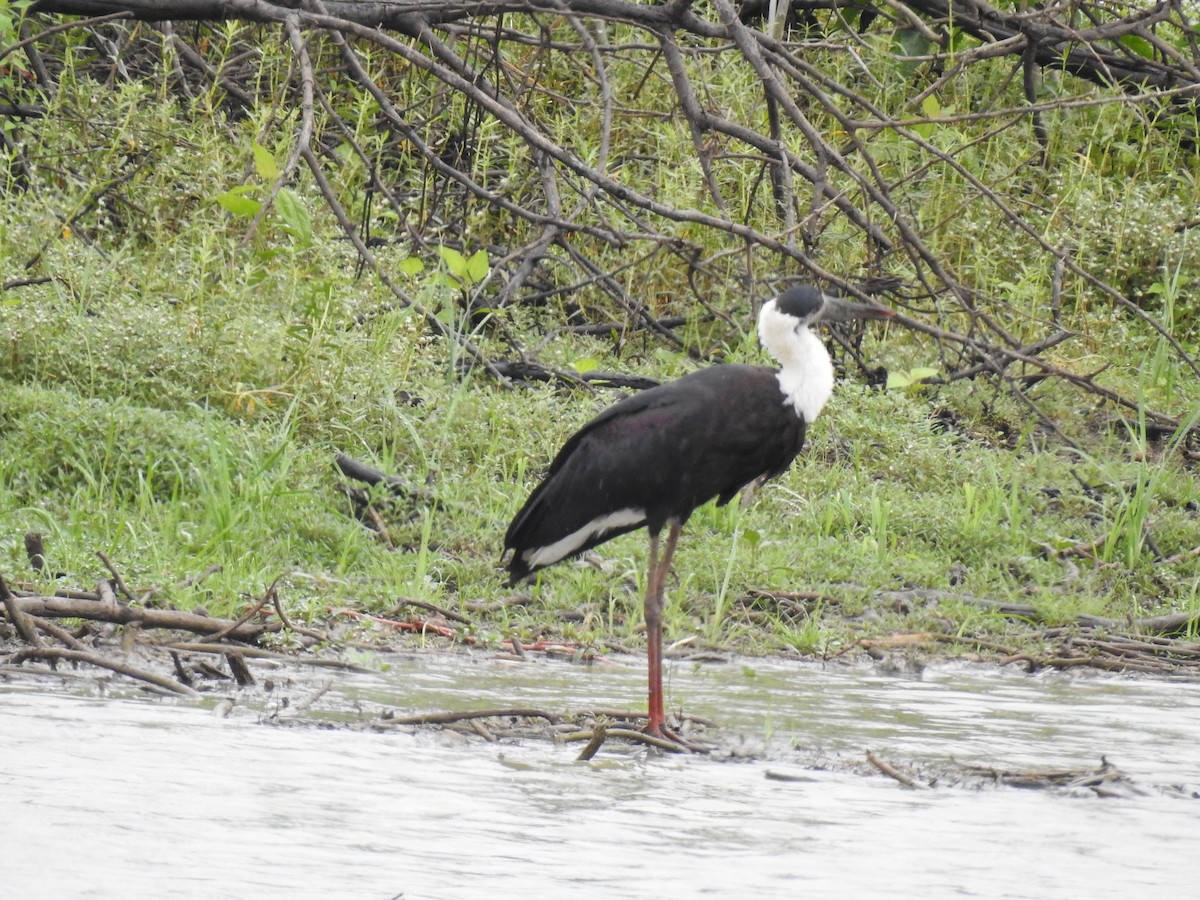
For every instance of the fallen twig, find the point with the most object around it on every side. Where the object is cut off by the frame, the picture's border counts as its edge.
(1168, 624)
(518, 648)
(599, 734)
(296, 709)
(62, 607)
(486, 606)
(245, 617)
(17, 616)
(116, 574)
(94, 659)
(891, 771)
(443, 718)
(629, 734)
(1094, 779)
(1179, 557)
(477, 726)
(181, 671)
(60, 634)
(241, 671)
(416, 626)
(193, 580)
(260, 653)
(433, 608)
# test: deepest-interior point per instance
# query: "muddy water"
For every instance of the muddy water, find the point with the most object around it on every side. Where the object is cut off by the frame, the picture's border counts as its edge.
(105, 796)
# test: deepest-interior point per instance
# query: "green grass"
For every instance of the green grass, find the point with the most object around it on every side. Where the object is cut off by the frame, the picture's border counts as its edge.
(175, 394)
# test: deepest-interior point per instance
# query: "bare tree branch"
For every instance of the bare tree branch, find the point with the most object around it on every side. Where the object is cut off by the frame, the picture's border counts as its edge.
(783, 178)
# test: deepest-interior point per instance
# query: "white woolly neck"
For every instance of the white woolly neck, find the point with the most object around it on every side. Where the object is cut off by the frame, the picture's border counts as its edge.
(806, 371)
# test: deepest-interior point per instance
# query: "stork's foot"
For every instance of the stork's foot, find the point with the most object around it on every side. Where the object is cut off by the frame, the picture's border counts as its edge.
(661, 732)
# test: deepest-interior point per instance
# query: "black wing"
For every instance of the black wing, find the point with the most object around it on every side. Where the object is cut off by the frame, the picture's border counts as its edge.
(656, 456)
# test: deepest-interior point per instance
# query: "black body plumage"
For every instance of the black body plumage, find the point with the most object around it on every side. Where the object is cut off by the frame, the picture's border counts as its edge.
(654, 457)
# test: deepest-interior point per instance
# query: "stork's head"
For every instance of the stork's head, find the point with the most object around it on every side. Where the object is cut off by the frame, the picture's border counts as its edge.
(805, 305)
(806, 374)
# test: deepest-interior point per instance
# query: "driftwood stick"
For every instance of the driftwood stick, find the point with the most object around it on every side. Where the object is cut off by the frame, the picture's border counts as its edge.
(638, 737)
(599, 735)
(443, 718)
(487, 606)
(17, 616)
(237, 665)
(249, 614)
(93, 659)
(108, 597)
(1179, 557)
(65, 593)
(62, 607)
(295, 710)
(891, 771)
(116, 574)
(378, 523)
(360, 471)
(312, 698)
(292, 626)
(193, 580)
(518, 648)
(477, 726)
(181, 671)
(1168, 624)
(58, 632)
(129, 636)
(433, 608)
(260, 653)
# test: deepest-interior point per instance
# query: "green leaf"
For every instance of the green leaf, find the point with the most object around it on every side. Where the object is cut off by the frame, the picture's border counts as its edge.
(477, 266)
(910, 42)
(235, 201)
(295, 216)
(1137, 44)
(848, 20)
(930, 107)
(455, 261)
(8, 28)
(959, 40)
(901, 381)
(264, 162)
(410, 265)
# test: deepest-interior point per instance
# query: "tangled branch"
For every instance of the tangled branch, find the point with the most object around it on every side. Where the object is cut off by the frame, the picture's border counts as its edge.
(482, 107)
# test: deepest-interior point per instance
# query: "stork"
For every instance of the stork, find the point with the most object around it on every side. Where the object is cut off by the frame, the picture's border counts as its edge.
(651, 459)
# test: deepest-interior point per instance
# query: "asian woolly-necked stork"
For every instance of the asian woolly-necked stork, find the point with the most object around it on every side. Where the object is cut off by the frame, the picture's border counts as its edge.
(654, 457)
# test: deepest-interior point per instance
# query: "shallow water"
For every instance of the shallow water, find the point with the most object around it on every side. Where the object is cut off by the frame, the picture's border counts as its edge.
(120, 797)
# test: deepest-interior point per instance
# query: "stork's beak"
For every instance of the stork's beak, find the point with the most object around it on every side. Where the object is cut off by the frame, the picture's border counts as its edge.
(835, 309)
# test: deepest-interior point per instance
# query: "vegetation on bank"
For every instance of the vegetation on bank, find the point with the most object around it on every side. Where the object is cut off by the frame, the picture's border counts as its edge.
(176, 378)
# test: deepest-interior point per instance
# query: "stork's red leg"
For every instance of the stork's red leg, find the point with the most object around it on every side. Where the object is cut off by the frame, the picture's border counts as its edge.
(656, 579)
(652, 610)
